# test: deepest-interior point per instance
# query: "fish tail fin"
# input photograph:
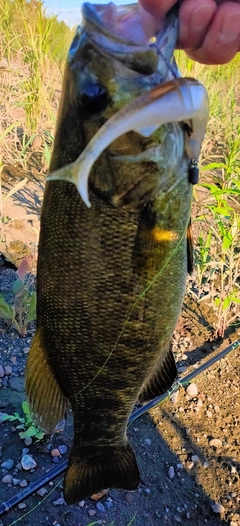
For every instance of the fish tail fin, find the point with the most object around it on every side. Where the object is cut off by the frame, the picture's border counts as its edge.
(86, 475)
(47, 402)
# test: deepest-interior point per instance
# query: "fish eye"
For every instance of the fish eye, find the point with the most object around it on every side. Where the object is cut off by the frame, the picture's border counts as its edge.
(94, 98)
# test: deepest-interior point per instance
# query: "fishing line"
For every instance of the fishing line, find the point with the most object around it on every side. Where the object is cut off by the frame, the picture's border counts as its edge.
(131, 310)
(35, 507)
(60, 468)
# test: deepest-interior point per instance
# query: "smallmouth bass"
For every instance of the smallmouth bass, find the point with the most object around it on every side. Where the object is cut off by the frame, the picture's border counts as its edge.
(111, 275)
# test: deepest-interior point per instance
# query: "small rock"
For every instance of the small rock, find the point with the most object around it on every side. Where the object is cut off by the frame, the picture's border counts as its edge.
(177, 518)
(91, 513)
(209, 414)
(21, 505)
(26, 350)
(55, 453)
(23, 483)
(218, 508)
(62, 449)
(16, 482)
(25, 451)
(8, 464)
(108, 505)
(97, 496)
(171, 472)
(179, 466)
(128, 497)
(148, 441)
(214, 347)
(28, 441)
(215, 442)
(205, 465)
(7, 479)
(55, 460)
(8, 370)
(28, 462)
(100, 506)
(41, 492)
(147, 490)
(195, 459)
(190, 465)
(199, 402)
(1, 371)
(182, 369)
(192, 390)
(81, 503)
(233, 470)
(174, 397)
(59, 502)
(3, 417)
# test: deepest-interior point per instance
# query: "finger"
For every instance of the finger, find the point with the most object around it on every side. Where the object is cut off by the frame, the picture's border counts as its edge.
(222, 40)
(158, 8)
(195, 17)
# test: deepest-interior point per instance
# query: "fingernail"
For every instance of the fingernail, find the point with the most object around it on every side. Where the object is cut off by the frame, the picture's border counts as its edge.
(230, 28)
(201, 17)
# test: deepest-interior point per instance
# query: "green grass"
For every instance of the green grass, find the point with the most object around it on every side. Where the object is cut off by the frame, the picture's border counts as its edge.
(34, 48)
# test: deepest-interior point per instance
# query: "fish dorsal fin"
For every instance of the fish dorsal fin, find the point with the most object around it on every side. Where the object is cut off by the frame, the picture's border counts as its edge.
(161, 379)
(47, 402)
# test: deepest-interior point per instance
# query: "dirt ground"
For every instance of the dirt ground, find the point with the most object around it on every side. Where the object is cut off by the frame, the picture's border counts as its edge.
(183, 473)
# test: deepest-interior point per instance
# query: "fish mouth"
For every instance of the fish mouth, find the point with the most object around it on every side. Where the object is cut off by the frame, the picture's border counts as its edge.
(111, 20)
(108, 27)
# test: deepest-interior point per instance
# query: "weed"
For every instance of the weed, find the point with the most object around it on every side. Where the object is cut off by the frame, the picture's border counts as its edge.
(26, 423)
(23, 310)
(217, 256)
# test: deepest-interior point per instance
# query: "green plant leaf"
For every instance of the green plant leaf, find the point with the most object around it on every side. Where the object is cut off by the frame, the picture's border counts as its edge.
(26, 408)
(227, 241)
(18, 286)
(226, 303)
(31, 316)
(6, 311)
(40, 435)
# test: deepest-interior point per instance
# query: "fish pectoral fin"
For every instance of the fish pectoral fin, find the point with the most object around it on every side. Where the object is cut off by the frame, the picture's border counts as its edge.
(190, 262)
(161, 379)
(47, 402)
(86, 475)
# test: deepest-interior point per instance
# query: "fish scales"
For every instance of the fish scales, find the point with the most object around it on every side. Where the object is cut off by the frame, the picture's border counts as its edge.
(111, 278)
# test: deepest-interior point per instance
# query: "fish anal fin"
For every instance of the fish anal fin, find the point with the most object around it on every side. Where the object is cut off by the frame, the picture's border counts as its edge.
(190, 248)
(86, 475)
(161, 379)
(47, 402)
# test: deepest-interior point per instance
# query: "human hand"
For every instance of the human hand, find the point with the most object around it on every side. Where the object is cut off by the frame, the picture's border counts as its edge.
(209, 30)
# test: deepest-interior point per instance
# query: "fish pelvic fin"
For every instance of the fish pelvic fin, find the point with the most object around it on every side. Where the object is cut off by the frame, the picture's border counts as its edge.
(86, 475)
(190, 248)
(161, 379)
(47, 402)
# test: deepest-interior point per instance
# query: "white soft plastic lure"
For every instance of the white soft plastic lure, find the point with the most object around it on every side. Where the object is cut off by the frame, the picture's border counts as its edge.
(180, 100)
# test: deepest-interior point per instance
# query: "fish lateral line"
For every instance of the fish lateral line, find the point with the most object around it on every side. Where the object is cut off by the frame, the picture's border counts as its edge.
(178, 100)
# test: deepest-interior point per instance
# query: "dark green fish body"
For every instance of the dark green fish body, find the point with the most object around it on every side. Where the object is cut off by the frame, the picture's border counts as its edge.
(111, 278)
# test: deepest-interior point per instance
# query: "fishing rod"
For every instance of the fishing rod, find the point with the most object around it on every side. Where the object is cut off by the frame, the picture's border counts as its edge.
(40, 482)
